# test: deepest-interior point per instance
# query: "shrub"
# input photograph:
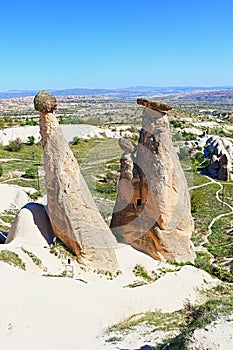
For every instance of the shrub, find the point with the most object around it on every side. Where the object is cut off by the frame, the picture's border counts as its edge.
(31, 173)
(199, 156)
(35, 195)
(31, 140)
(176, 123)
(15, 145)
(31, 122)
(76, 140)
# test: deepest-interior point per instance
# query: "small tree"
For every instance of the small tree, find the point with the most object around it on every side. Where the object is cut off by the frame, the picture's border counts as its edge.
(31, 140)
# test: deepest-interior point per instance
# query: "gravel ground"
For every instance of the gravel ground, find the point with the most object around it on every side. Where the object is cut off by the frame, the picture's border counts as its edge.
(216, 336)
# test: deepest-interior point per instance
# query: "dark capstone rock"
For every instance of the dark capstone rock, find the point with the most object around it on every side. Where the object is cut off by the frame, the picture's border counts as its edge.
(45, 102)
(156, 105)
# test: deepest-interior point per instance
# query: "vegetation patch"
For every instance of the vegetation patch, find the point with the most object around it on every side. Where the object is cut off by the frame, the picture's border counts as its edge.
(220, 242)
(144, 276)
(108, 274)
(140, 271)
(62, 274)
(205, 207)
(34, 258)
(60, 250)
(12, 258)
(203, 262)
(198, 316)
(219, 301)
(15, 145)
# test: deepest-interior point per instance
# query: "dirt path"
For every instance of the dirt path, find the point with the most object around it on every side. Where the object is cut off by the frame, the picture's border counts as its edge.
(216, 218)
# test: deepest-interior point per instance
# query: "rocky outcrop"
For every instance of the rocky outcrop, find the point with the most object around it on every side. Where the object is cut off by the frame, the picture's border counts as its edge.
(31, 226)
(72, 211)
(220, 152)
(152, 211)
(12, 197)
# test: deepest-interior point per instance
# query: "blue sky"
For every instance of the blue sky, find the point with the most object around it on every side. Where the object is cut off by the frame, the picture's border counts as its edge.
(107, 44)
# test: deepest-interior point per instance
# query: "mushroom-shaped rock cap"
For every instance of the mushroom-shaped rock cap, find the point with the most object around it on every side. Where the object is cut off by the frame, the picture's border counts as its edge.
(45, 102)
(156, 105)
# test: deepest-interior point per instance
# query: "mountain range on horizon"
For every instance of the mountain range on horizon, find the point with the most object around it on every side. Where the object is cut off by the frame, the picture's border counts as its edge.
(126, 92)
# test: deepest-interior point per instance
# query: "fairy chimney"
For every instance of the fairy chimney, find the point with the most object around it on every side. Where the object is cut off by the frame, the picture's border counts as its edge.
(74, 216)
(152, 212)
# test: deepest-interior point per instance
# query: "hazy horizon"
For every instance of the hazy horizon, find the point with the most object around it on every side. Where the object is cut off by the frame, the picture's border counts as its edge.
(125, 87)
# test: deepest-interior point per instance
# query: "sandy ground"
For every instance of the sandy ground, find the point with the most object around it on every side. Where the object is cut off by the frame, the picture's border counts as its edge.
(43, 313)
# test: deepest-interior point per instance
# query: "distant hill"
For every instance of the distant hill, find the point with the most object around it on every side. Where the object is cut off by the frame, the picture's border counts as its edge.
(119, 93)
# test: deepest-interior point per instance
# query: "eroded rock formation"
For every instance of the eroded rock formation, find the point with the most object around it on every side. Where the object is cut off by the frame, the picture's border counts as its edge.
(152, 211)
(220, 151)
(72, 211)
(31, 226)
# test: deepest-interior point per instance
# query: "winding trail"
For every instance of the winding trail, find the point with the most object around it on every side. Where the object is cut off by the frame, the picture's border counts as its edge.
(216, 218)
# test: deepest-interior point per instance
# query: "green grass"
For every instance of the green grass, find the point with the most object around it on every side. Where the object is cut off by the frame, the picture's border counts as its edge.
(194, 178)
(196, 317)
(204, 214)
(220, 241)
(24, 183)
(62, 274)
(7, 216)
(202, 261)
(12, 258)
(97, 159)
(4, 228)
(218, 301)
(139, 271)
(82, 149)
(160, 321)
(227, 194)
(27, 157)
(33, 152)
(34, 258)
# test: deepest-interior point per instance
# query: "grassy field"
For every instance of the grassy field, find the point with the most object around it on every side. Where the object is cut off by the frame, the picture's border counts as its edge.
(14, 170)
